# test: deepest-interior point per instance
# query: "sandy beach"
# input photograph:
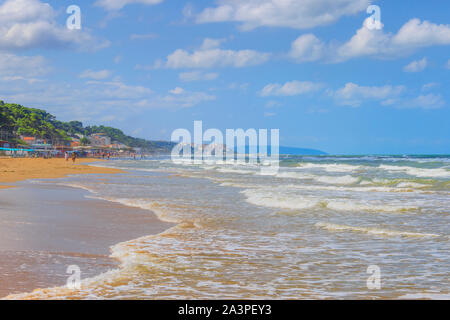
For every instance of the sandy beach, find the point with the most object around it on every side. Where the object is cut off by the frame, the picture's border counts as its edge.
(46, 227)
(19, 169)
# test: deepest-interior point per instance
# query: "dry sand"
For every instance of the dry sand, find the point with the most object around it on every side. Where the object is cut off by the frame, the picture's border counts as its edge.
(19, 169)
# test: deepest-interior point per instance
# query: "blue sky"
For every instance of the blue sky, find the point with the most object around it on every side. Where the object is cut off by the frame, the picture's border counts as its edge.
(311, 68)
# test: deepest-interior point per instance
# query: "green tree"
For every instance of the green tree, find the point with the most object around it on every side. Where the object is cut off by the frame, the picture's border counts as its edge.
(84, 141)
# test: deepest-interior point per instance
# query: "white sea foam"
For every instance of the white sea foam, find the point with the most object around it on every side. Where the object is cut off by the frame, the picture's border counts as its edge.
(356, 188)
(411, 185)
(326, 179)
(334, 167)
(418, 172)
(374, 231)
(351, 205)
(337, 180)
(425, 295)
(294, 175)
(79, 186)
(279, 199)
(235, 171)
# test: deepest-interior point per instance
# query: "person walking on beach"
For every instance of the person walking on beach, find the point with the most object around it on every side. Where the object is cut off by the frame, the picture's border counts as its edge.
(66, 156)
(74, 157)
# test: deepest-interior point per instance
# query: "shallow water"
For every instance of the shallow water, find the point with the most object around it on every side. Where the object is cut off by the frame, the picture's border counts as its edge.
(310, 231)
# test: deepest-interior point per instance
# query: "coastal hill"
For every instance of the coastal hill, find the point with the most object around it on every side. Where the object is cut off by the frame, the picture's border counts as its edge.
(301, 151)
(17, 120)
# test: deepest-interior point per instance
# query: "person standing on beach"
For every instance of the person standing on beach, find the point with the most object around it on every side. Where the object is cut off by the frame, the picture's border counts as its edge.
(66, 156)
(74, 157)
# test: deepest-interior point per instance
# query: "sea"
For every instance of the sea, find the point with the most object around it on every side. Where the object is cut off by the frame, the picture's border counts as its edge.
(322, 227)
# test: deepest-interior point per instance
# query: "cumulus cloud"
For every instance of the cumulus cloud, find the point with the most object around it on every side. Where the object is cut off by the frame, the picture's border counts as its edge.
(96, 75)
(209, 55)
(114, 5)
(416, 66)
(292, 88)
(307, 48)
(197, 76)
(28, 24)
(354, 95)
(94, 99)
(89, 101)
(412, 36)
(281, 13)
(135, 96)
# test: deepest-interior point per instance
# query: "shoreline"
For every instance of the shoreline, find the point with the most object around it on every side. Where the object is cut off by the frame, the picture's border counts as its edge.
(14, 170)
(45, 227)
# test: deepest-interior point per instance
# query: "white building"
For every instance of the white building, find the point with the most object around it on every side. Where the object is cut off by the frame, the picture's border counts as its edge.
(99, 140)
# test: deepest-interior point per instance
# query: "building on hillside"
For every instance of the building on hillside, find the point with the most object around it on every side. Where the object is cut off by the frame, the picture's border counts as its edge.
(34, 140)
(29, 140)
(118, 146)
(7, 145)
(99, 139)
(75, 143)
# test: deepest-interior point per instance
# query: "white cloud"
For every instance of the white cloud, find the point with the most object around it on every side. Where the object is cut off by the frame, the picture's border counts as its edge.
(22, 67)
(416, 66)
(394, 96)
(428, 101)
(117, 89)
(238, 86)
(210, 43)
(354, 95)
(96, 75)
(209, 56)
(430, 86)
(281, 13)
(113, 5)
(27, 24)
(186, 99)
(118, 93)
(417, 34)
(176, 99)
(448, 64)
(177, 90)
(292, 88)
(307, 48)
(197, 76)
(412, 36)
(95, 100)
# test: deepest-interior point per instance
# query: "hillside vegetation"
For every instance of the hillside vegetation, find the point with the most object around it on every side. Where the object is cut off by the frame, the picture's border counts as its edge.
(20, 120)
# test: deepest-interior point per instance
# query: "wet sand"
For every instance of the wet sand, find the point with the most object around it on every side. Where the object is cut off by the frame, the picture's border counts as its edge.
(45, 227)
